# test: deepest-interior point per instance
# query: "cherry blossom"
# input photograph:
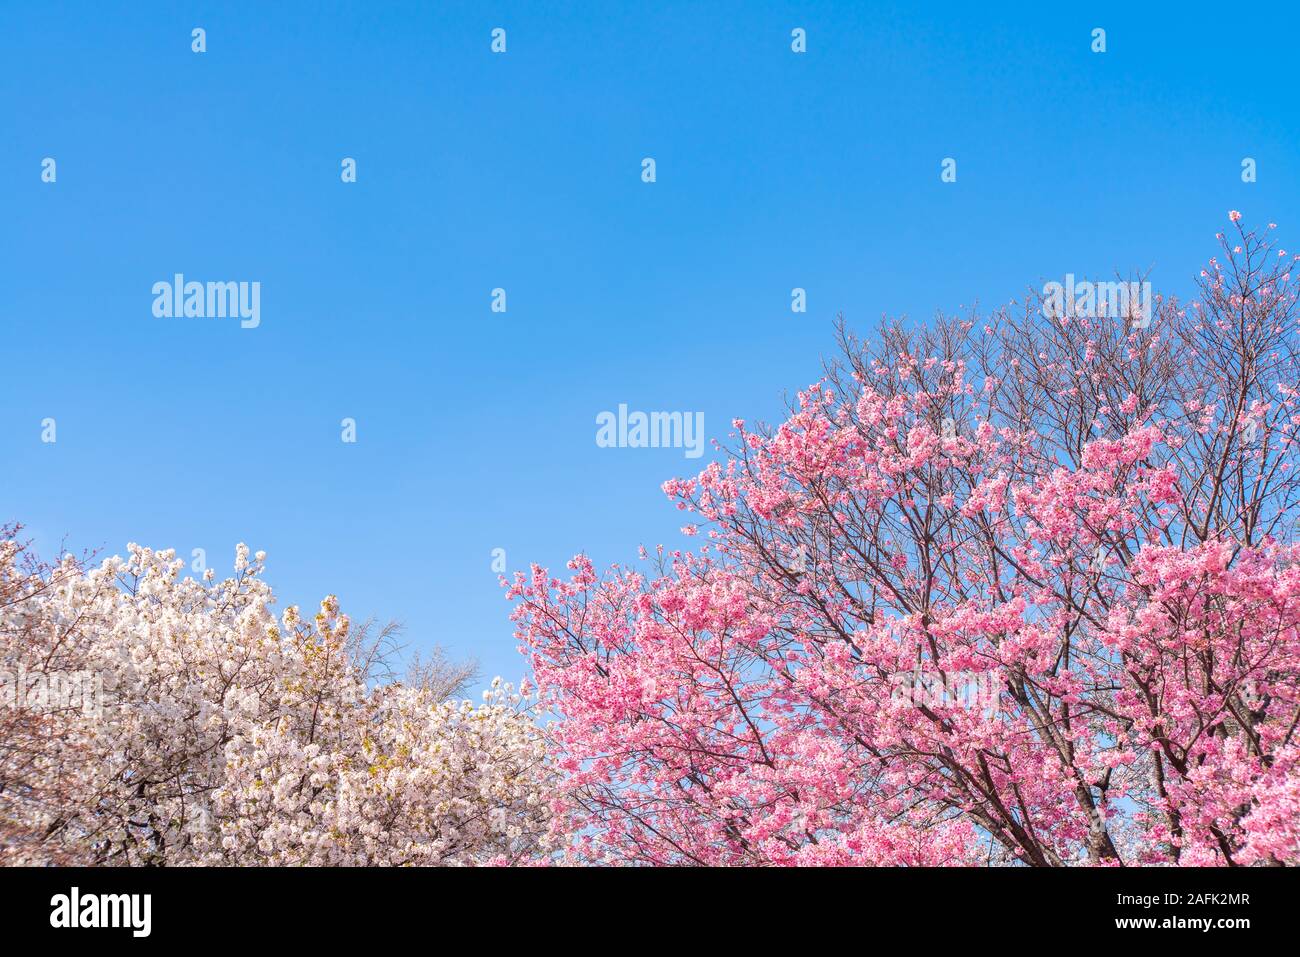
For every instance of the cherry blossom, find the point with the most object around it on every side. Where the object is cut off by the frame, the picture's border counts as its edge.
(228, 735)
(1098, 518)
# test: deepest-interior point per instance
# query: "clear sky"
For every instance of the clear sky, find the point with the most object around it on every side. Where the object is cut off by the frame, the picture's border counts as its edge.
(476, 429)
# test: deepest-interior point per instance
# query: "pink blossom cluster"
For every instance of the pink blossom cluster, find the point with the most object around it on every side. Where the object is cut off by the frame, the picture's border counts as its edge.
(1098, 517)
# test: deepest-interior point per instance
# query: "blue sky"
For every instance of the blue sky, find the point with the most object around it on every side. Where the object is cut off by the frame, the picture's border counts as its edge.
(476, 430)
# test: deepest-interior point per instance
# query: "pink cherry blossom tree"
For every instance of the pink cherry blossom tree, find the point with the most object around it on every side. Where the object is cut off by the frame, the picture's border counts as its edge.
(1015, 589)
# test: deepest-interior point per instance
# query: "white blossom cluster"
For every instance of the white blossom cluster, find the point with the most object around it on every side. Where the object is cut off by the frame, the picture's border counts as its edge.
(229, 736)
